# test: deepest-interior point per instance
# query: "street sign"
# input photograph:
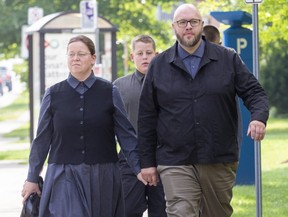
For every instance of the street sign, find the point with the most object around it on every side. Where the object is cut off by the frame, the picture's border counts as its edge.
(34, 14)
(253, 1)
(89, 16)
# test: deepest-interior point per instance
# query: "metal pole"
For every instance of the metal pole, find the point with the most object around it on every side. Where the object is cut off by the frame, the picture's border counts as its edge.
(257, 144)
(97, 45)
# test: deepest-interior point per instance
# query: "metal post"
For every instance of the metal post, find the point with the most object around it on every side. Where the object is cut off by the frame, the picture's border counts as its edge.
(97, 45)
(257, 144)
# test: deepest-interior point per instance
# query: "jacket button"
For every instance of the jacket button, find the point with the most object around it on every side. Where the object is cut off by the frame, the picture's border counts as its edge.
(83, 152)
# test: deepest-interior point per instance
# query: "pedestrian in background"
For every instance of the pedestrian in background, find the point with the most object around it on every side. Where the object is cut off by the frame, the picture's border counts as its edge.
(138, 197)
(212, 34)
(187, 125)
(78, 122)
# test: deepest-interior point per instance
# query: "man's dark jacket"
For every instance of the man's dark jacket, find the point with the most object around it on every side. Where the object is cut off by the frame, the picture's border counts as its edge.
(189, 121)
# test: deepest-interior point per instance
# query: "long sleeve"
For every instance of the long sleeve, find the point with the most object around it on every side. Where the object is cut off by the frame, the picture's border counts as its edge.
(41, 144)
(125, 133)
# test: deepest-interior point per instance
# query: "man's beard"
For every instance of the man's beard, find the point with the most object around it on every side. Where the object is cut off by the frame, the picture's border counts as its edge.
(188, 43)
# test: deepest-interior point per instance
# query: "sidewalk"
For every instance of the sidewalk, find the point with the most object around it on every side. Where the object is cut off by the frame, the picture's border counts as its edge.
(12, 176)
(12, 173)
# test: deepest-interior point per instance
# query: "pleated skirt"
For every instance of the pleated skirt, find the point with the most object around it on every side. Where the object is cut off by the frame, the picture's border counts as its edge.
(82, 191)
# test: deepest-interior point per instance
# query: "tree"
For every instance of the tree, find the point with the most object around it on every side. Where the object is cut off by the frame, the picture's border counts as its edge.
(131, 18)
(138, 16)
(275, 74)
(13, 15)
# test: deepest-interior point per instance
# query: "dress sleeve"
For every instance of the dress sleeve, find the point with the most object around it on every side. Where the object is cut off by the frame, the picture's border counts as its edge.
(125, 133)
(41, 144)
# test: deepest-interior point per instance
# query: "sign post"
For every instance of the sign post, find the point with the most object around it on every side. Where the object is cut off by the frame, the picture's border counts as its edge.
(89, 11)
(257, 144)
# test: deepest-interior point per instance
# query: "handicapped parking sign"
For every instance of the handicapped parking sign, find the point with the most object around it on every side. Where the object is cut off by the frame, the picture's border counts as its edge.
(88, 12)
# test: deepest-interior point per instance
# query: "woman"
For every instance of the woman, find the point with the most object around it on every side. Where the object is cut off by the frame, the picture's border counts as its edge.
(79, 119)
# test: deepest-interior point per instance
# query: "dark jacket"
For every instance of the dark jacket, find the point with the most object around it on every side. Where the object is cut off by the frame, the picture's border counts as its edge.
(190, 121)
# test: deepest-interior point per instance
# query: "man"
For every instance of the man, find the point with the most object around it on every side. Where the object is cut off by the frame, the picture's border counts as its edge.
(138, 197)
(187, 124)
(211, 34)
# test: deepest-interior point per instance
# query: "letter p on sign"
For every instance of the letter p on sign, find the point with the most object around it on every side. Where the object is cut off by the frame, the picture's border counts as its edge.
(241, 44)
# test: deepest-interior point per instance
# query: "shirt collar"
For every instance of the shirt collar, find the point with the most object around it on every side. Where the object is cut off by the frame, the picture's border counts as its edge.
(198, 53)
(88, 82)
(139, 75)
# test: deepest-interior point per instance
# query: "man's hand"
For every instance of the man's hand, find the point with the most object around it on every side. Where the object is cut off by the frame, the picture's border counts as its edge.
(256, 130)
(140, 178)
(150, 175)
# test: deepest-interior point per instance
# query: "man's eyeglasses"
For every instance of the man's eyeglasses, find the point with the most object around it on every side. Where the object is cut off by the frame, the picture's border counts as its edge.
(183, 23)
(80, 54)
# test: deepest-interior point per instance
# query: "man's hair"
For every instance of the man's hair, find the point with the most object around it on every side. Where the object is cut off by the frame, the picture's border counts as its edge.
(144, 39)
(211, 34)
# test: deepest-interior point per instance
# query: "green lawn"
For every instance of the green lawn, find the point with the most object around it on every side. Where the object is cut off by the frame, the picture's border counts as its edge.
(274, 158)
(274, 149)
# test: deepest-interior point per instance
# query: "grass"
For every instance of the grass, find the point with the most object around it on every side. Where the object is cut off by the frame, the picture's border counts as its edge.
(274, 158)
(15, 155)
(274, 162)
(14, 110)
(22, 133)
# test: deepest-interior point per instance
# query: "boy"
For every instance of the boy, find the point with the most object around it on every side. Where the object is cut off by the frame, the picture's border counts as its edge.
(138, 197)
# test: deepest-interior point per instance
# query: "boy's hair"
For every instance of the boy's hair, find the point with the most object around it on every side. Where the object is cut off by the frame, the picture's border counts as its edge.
(144, 39)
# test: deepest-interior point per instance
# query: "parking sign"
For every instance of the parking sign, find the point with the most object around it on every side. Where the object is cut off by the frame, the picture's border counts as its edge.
(88, 11)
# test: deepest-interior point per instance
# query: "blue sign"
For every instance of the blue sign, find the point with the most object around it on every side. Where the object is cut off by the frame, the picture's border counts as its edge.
(240, 39)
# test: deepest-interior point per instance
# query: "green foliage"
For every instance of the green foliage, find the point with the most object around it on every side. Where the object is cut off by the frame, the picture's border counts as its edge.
(21, 70)
(274, 74)
(14, 14)
(273, 21)
(134, 17)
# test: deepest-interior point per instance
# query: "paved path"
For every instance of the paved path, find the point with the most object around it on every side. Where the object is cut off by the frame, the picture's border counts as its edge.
(12, 176)
(12, 173)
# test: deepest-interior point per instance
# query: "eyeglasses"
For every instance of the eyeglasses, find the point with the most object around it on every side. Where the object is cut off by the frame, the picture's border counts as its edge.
(80, 54)
(183, 23)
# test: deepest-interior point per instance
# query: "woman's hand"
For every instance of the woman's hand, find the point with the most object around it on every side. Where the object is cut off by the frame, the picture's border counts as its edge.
(28, 189)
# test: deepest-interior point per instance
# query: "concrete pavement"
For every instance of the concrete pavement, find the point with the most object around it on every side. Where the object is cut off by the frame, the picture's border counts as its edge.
(12, 176)
(12, 173)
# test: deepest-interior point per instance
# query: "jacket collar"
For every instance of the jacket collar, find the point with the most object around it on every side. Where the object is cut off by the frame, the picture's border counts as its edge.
(210, 54)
